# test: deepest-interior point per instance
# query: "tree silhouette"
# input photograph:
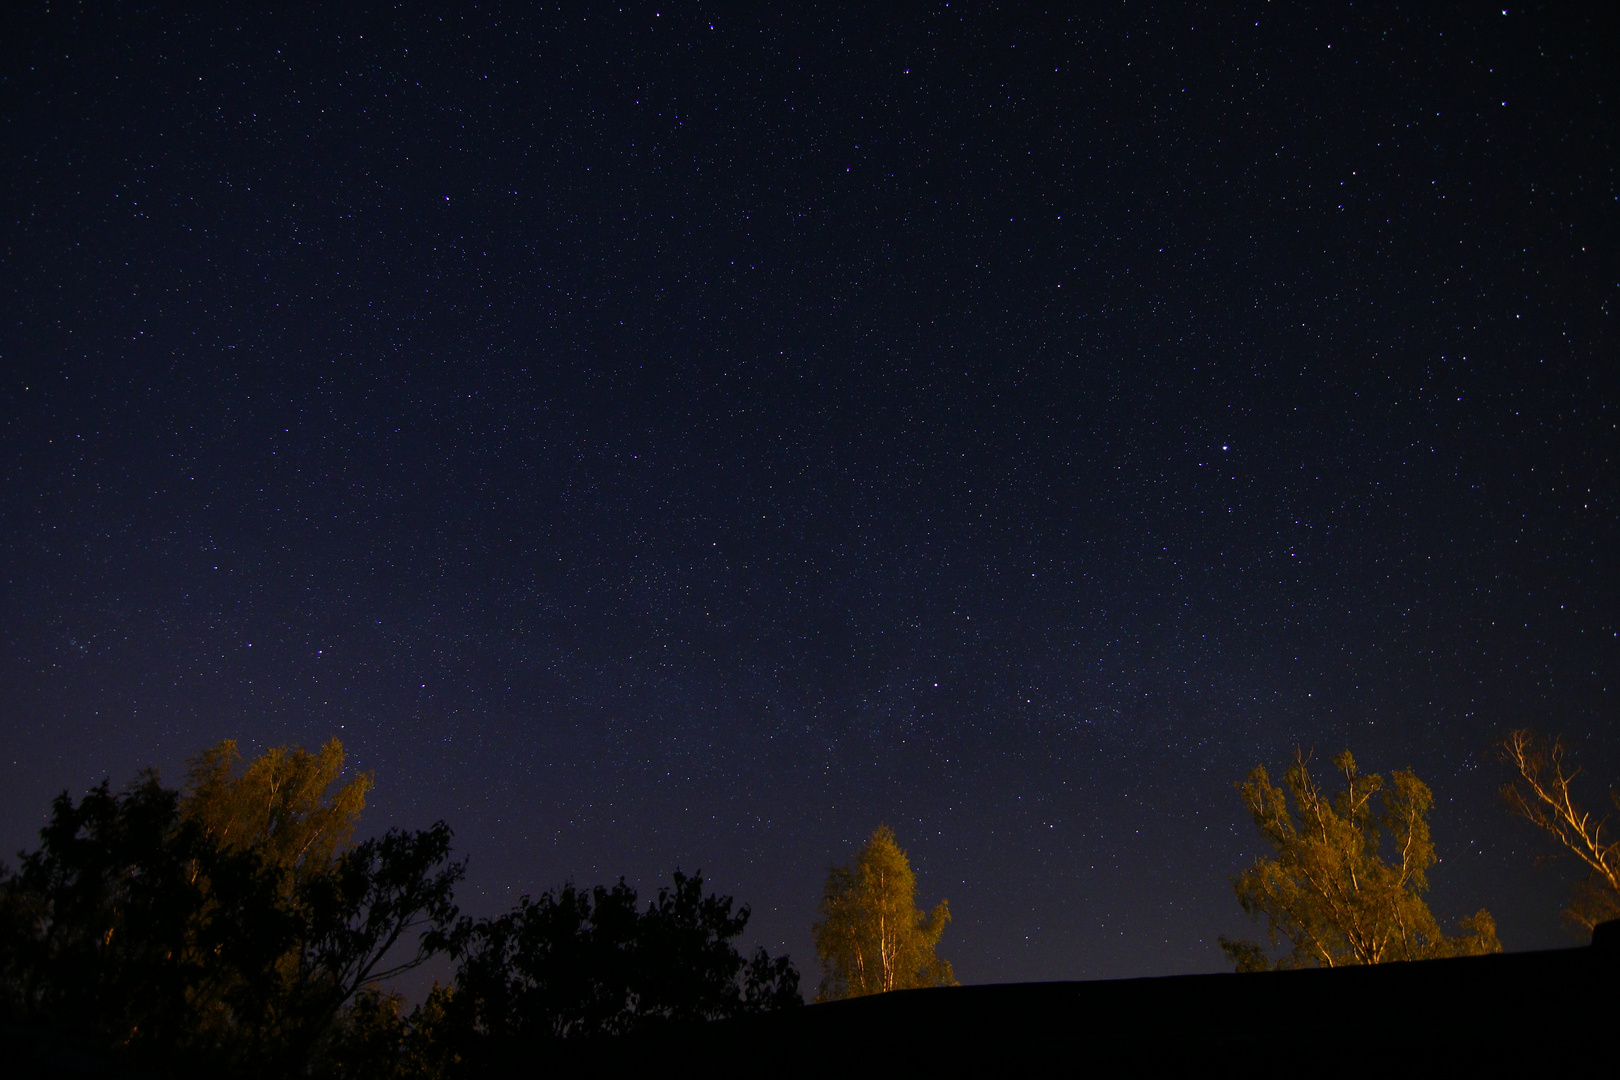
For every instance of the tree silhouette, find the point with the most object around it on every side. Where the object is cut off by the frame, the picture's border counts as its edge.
(236, 928)
(577, 964)
(582, 965)
(136, 933)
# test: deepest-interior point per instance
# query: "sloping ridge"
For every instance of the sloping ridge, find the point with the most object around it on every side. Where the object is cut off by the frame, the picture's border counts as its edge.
(1531, 1008)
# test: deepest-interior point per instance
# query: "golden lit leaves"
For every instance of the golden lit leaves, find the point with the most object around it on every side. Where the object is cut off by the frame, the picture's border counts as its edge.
(286, 803)
(1330, 892)
(872, 938)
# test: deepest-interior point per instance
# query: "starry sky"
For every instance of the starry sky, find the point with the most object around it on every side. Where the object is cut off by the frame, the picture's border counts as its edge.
(656, 438)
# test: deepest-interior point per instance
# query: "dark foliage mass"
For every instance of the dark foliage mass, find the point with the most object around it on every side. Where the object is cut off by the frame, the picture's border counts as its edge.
(133, 936)
(128, 928)
(579, 963)
(131, 933)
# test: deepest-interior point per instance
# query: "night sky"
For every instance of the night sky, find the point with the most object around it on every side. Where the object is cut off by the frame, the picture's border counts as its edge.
(656, 438)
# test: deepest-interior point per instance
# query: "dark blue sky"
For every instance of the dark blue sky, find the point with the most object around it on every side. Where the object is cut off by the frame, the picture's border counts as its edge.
(691, 438)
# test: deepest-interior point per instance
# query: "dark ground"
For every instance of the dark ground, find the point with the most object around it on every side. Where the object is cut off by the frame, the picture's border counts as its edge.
(1528, 1012)
(1531, 1010)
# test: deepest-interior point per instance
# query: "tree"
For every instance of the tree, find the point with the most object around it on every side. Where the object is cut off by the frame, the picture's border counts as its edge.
(142, 929)
(236, 928)
(378, 1040)
(1541, 794)
(582, 964)
(1329, 892)
(286, 804)
(353, 903)
(108, 931)
(375, 896)
(872, 938)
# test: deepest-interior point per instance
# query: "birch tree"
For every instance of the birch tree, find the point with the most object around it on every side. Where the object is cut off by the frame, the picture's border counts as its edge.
(872, 937)
(288, 805)
(1330, 894)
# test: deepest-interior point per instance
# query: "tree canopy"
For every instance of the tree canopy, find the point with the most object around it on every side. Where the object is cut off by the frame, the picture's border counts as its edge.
(872, 937)
(140, 928)
(237, 926)
(1329, 892)
(287, 804)
(590, 963)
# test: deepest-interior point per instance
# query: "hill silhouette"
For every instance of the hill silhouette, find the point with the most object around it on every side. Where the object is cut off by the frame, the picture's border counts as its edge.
(1526, 1012)
(1531, 1008)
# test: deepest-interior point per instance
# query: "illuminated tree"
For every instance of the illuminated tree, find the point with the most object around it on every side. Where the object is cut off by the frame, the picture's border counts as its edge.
(1541, 795)
(286, 804)
(1329, 892)
(352, 903)
(872, 938)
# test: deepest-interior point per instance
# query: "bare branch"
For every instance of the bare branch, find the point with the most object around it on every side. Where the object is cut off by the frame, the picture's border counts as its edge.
(1541, 794)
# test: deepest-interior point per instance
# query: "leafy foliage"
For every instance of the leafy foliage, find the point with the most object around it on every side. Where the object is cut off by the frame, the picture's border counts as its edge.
(128, 923)
(287, 805)
(373, 899)
(588, 964)
(378, 1040)
(872, 938)
(1541, 794)
(1329, 892)
(135, 928)
(237, 927)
